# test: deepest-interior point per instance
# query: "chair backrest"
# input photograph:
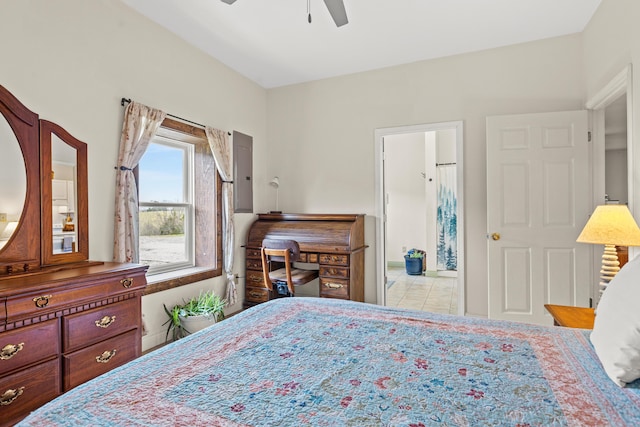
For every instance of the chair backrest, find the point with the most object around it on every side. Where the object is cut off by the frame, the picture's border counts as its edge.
(291, 245)
(284, 251)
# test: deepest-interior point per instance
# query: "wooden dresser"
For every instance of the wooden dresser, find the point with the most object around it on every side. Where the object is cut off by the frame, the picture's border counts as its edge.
(63, 319)
(333, 241)
(62, 326)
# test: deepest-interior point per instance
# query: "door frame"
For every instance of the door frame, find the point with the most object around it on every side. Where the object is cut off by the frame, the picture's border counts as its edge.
(380, 205)
(621, 84)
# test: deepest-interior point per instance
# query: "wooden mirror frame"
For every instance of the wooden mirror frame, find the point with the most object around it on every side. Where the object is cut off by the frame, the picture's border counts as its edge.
(81, 253)
(22, 251)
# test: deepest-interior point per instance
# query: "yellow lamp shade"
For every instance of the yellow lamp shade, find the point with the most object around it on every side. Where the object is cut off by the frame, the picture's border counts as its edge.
(611, 225)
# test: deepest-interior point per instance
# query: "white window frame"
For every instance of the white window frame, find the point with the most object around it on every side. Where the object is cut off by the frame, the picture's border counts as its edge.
(187, 205)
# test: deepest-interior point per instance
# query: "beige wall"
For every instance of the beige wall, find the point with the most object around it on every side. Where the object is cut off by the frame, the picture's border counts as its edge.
(72, 60)
(321, 133)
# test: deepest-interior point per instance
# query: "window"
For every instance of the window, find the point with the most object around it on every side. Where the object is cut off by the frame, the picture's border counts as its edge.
(166, 211)
(180, 208)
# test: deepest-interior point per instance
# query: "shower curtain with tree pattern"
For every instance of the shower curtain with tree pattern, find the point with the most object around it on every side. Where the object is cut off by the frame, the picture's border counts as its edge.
(447, 218)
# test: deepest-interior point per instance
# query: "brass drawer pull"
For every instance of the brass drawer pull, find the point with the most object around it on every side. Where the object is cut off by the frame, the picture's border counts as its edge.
(255, 294)
(105, 322)
(106, 356)
(127, 283)
(334, 285)
(256, 279)
(42, 301)
(10, 350)
(10, 395)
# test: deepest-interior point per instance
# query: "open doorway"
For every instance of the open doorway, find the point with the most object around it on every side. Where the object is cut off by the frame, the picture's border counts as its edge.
(616, 189)
(419, 200)
(613, 156)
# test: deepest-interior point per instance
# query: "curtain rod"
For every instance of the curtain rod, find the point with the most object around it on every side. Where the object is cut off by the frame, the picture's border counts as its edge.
(128, 100)
(445, 164)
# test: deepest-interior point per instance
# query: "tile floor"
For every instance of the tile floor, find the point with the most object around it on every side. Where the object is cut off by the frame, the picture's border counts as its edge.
(434, 294)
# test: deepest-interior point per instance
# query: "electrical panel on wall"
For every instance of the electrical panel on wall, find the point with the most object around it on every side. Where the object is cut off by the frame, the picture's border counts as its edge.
(242, 173)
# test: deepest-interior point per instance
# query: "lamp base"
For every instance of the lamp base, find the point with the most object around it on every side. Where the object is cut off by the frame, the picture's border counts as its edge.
(610, 266)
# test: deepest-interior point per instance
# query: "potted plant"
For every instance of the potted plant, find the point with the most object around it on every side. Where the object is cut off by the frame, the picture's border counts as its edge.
(195, 314)
(413, 261)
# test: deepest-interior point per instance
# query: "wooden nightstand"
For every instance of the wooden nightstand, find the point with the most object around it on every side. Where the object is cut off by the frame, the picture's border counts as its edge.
(571, 317)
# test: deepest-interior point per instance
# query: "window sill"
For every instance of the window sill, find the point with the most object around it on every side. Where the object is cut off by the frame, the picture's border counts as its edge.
(162, 282)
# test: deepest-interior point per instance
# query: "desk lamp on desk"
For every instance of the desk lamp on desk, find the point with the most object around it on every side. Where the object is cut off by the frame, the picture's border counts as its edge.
(275, 182)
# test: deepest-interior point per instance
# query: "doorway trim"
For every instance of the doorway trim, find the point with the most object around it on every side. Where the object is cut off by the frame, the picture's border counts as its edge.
(621, 84)
(380, 197)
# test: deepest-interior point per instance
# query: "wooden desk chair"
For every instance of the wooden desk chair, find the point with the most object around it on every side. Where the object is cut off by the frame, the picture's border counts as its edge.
(283, 252)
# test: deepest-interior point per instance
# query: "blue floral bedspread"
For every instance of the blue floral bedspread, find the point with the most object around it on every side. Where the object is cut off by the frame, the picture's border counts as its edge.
(323, 362)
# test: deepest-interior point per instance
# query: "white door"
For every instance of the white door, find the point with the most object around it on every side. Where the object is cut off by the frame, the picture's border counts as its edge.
(538, 200)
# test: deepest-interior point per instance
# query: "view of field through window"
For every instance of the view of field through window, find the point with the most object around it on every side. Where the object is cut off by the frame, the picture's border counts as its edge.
(162, 238)
(162, 180)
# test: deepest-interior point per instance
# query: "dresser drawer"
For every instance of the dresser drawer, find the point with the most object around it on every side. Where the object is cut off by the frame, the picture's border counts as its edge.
(334, 259)
(88, 327)
(334, 288)
(59, 298)
(253, 253)
(26, 390)
(83, 365)
(24, 346)
(254, 279)
(258, 295)
(340, 272)
(253, 264)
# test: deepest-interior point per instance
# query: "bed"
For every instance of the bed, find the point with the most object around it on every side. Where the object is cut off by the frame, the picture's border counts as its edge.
(325, 362)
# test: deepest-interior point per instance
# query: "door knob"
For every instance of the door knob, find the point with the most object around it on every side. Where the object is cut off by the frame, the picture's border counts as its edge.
(495, 236)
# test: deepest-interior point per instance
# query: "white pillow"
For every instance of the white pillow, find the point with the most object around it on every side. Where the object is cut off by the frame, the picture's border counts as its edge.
(616, 332)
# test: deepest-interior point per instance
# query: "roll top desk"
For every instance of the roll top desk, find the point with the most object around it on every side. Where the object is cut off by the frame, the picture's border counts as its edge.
(333, 241)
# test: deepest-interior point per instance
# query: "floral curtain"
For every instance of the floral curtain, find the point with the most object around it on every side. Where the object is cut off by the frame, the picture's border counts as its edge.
(139, 126)
(221, 149)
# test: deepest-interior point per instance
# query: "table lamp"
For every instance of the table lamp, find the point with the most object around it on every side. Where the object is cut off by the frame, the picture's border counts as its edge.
(611, 226)
(275, 183)
(8, 230)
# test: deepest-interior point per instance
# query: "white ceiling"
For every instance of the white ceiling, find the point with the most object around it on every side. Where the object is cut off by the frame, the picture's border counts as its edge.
(271, 42)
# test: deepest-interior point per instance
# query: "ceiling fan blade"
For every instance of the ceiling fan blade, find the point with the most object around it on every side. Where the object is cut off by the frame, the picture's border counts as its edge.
(229, 1)
(337, 11)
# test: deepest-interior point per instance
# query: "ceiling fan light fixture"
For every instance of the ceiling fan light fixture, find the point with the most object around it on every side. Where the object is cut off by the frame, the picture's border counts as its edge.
(335, 7)
(337, 11)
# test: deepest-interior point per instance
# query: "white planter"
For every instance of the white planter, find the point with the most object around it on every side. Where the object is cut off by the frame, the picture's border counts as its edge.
(195, 323)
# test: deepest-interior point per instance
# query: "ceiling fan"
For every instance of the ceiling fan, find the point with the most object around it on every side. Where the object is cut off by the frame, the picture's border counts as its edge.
(336, 9)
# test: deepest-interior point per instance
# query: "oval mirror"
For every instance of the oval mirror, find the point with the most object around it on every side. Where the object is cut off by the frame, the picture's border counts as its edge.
(12, 170)
(20, 188)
